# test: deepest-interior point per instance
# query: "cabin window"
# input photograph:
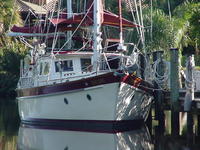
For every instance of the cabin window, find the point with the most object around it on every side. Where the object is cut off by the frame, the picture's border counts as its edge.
(44, 68)
(85, 64)
(66, 65)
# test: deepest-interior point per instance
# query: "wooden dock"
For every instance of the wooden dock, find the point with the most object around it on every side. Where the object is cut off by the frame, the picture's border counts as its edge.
(177, 100)
(195, 103)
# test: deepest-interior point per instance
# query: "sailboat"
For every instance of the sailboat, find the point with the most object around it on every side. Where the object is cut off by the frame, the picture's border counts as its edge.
(95, 87)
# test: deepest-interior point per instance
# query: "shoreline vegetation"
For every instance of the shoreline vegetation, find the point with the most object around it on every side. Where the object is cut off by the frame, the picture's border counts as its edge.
(10, 56)
(165, 27)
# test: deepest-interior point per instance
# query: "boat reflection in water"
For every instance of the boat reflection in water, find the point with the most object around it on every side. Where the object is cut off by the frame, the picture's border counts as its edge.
(31, 138)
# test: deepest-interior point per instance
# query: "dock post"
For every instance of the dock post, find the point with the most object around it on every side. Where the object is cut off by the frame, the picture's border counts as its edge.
(189, 97)
(190, 94)
(189, 84)
(149, 119)
(174, 88)
(190, 128)
(159, 110)
(198, 125)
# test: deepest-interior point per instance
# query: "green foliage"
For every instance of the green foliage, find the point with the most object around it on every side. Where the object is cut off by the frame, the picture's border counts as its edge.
(161, 35)
(167, 5)
(9, 66)
(11, 50)
(8, 13)
(195, 26)
(186, 25)
(178, 30)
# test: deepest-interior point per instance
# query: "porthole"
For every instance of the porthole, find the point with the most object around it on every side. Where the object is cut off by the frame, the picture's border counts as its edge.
(89, 97)
(66, 101)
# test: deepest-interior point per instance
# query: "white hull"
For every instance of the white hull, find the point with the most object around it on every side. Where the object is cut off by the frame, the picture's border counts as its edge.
(102, 102)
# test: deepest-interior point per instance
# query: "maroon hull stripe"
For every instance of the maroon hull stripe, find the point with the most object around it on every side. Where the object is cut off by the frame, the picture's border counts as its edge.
(84, 125)
(70, 86)
(86, 83)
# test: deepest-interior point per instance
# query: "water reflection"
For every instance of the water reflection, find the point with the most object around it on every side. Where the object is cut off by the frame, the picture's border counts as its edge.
(46, 139)
(9, 124)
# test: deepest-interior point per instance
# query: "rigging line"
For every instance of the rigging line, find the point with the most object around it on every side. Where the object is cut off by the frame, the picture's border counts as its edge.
(109, 46)
(48, 14)
(33, 13)
(138, 18)
(40, 17)
(105, 33)
(45, 21)
(137, 14)
(77, 9)
(80, 8)
(77, 13)
(169, 9)
(76, 28)
(134, 19)
(151, 33)
(136, 46)
(41, 3)
(37, 22)
(81, 48)
(55, 38)
(27, 17)
(142, 23)
(129, 36)
(106, 60)
(25, 42)
(51, 16)
(108, 33)
(85, 4)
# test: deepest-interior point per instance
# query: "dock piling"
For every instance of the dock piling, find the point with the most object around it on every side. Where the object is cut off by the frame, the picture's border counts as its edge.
(174, 88)
(159, 96)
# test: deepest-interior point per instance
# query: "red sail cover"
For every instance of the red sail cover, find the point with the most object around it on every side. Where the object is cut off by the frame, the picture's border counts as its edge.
(108, 19)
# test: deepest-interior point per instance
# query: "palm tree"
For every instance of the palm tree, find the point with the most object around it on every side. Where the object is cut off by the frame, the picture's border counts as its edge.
(177, 30)
(195, 26)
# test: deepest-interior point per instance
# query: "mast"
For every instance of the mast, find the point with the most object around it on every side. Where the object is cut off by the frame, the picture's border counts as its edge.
(120, 21)
(97, 8)
(121, 46)
(69, 15)
(69, 9)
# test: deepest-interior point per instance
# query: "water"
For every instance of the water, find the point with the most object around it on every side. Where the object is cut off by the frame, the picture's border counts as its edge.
(14, 136)
(9, 124)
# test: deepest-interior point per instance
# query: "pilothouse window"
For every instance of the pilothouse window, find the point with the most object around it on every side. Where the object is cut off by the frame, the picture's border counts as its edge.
(44, 68)
(85, 64)
(66, 65)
